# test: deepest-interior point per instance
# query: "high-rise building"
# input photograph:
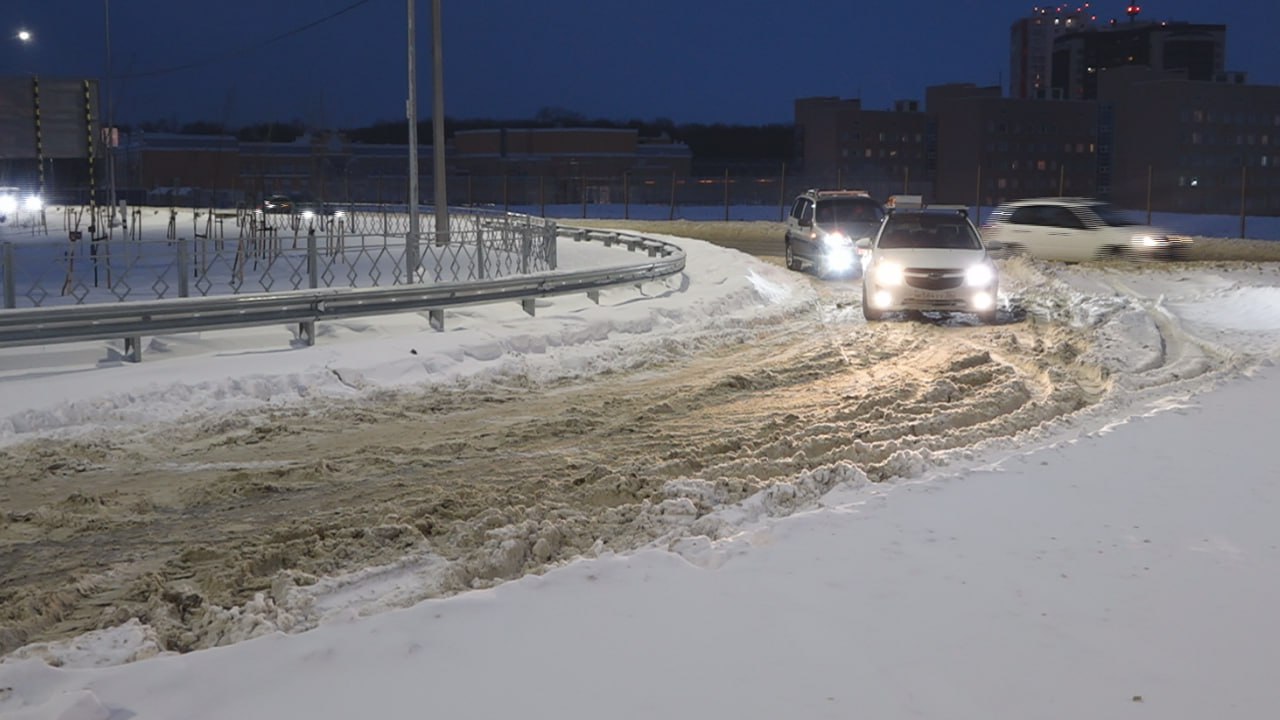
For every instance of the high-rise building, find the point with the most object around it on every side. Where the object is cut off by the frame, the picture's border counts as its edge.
(1031, 46)
(1198, 50)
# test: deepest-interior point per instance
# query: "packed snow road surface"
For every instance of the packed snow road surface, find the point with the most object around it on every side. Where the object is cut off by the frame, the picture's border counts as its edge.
(227, 524)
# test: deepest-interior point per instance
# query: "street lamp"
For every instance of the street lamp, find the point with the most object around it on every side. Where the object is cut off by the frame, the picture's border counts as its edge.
(25, 36)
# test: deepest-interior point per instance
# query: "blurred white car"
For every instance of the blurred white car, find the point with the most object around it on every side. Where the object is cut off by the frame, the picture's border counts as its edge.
(1077, 230)
(928, 259)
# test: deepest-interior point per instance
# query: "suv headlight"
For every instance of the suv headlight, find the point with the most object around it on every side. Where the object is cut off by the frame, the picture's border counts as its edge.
(980, 275)
(1147, 240)
(33, 204)
(8, 204)
(836, 239)
(889, 274)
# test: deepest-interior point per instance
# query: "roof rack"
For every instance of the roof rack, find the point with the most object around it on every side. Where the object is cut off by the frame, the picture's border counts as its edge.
(961, 210)
(839, 193)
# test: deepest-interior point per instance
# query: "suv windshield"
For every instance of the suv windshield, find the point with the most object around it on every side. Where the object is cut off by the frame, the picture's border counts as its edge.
(1111, 216)
(946, 232)
(838, 212)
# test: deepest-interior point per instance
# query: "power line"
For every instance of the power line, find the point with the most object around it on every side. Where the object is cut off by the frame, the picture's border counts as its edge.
(247, 48)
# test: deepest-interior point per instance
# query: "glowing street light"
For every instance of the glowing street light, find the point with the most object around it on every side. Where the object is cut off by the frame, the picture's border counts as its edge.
(25, 36)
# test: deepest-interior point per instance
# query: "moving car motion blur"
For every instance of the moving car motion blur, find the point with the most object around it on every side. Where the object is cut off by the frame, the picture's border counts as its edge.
(1077, 230)
(12, 199)
(823, 227)
(928, 259)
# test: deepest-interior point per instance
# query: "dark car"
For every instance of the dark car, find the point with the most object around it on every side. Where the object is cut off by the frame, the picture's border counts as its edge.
(277, 204)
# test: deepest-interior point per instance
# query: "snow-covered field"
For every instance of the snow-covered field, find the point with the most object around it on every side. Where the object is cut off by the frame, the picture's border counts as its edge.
(1069, 514)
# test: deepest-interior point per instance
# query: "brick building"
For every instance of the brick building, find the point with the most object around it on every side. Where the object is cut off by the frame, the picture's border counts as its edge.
(1189, 145)
(840, 143)
(484, 166)
(992, 148)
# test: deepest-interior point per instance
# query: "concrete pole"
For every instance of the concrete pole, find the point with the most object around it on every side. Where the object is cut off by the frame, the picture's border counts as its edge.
(111, 154)
(411, 256)
(437, 116)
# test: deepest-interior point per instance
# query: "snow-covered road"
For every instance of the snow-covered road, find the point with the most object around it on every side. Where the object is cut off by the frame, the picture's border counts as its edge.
(255, 515)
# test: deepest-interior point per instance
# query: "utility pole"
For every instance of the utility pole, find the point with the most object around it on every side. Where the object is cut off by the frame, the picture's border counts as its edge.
(411, 111)
(111, 123)
(437, 117)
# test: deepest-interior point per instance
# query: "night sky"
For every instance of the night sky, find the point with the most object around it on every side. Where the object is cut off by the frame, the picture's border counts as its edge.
(744, 61)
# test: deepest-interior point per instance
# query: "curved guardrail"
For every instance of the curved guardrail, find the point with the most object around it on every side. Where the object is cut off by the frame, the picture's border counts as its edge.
(132, 321)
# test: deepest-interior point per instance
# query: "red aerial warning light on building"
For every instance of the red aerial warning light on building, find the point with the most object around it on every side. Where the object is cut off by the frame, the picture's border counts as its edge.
(1133, 11)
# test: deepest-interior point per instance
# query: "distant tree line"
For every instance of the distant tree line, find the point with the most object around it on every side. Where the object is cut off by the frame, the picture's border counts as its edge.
(709, 143)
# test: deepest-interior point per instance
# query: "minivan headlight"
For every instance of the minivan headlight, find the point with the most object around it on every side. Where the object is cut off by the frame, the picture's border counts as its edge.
(889, 274)
(980, 275)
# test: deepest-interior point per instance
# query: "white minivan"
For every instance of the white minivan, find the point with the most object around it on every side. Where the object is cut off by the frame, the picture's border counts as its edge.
(928, 259)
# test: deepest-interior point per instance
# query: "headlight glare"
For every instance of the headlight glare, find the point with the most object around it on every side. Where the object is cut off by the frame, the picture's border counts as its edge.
(889, 274)
(979, 275)
(33, 203)
(8, 204)
(836, 239)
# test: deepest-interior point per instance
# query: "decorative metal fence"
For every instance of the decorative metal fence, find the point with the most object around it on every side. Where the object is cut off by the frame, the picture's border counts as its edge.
(233, 253)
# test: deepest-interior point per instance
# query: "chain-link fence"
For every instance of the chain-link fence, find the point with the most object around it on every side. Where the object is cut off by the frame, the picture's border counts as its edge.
(239, 252)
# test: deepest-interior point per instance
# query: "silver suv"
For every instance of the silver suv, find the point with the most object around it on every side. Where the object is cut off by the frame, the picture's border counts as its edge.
(824, 226)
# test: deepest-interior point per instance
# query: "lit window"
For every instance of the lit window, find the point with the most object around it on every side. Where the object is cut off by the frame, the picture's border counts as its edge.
(1041, 164)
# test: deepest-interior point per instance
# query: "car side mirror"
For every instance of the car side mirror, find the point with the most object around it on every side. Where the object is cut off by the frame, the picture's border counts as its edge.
(863, 244)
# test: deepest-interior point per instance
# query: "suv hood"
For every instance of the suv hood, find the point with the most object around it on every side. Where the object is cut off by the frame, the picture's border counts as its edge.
(852, 228)
(932, 257)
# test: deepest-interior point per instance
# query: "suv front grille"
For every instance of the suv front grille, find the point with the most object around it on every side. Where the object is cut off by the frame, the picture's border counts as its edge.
(927, 279)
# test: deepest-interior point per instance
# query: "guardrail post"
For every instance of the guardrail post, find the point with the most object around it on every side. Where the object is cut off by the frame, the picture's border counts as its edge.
(313, 261)
(526, 245)
(553, 236)
(133, 348)
(479, 251)
(184, 262)
(10, 292)
(307, 331)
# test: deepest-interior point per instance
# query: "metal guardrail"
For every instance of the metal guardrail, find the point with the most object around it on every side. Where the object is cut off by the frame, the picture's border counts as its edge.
(304, 308)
